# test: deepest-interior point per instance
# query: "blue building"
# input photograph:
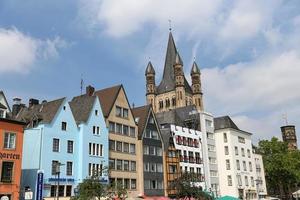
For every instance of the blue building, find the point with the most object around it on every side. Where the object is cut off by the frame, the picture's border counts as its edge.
(65, 139)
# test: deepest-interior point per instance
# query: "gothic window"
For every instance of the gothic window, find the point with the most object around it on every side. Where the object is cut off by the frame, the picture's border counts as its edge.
(161, 104)
(173, 101)
(167, 103)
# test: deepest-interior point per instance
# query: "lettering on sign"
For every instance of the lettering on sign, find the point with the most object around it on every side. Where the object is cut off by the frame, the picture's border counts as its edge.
(9, 156)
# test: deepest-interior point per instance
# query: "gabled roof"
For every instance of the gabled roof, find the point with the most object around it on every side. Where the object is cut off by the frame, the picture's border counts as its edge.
(7, 105)
(107, 98)
(168, 80)
(45, 112)
(81, 107)
(142, 114)
(2, 106)
(224, 122)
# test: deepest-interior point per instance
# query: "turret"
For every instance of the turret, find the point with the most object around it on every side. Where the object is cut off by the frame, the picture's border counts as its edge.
(179, 82)
(150, 84)
(196, 87)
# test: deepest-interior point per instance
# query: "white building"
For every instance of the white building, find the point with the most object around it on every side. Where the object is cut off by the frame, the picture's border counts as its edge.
(236, 161)
(260, 176)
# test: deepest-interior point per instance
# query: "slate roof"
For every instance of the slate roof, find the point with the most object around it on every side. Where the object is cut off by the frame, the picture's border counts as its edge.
(2, 106)
(195, 69)
(142, 114)
(107, 98)
(81, 107)
(224, 122)
(44, 112)
(168, 80)
(149, 69)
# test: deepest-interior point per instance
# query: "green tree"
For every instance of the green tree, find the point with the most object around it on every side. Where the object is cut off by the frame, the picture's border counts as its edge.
(117, 191)
(187, 187)
(282, 167)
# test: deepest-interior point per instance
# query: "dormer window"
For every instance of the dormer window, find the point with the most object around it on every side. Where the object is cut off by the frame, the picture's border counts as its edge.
(64, 126)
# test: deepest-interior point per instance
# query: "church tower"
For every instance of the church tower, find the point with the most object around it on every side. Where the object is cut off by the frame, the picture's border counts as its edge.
(173, 90)
(150, 85)
(289, 136)
(196, 87)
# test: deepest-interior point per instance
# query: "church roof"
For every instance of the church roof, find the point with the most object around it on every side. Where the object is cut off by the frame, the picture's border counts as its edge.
(149, 69)
(195, 69)
(168, 81)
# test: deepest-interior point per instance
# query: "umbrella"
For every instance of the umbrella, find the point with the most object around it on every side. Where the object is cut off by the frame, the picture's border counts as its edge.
(228, 198)
(296, 194)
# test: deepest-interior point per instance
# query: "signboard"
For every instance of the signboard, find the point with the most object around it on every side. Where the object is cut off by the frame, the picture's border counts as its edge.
(39, 185)
(28, 195)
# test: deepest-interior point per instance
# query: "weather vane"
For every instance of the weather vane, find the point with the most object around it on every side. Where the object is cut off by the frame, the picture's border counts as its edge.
(170, 25)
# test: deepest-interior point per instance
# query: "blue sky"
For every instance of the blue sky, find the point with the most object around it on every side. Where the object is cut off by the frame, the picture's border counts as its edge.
(248, 51)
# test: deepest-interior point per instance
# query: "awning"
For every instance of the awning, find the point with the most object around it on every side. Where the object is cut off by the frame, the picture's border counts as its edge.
(228, 198)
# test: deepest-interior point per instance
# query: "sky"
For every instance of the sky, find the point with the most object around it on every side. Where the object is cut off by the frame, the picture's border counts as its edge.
(248, 52)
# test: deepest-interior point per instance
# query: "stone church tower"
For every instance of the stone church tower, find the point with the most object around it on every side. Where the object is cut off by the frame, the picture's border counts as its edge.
(173, 91)
(289, 136)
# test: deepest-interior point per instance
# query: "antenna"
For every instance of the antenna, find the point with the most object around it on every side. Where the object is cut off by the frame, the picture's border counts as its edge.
(285, 118)
(170, 25)
(81, 84)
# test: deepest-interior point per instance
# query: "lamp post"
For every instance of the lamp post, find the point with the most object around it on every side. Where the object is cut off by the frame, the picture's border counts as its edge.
(57, 170)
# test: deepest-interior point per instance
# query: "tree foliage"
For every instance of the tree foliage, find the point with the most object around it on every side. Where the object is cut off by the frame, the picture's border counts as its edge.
(282, 167)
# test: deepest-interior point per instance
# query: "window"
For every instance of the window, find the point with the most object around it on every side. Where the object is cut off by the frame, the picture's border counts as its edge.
(229, 180)
(148, 133)
(125, 130)
(172, 169)
(248, 153)
(225, 137)
(64, 126)
(96, 112)
(126, 165)
(250, 166)
(132, 132)
(244, 166)
(211, 147)
(133, 184)
(246, 181)
(119, 128)
(243, 152)
(236, 150)
(1, 113)
(212, 160)
(167, 103)
(213, 173)
(97, 130)
(210, 135)
(239, 179)
(132, 148)
(126, 183)
(118, 111)
(119, 164)
(70, 146)
(94, 129)
(125, 112)
(7, 172)
(161, 104)
(61, 190)
(111, 127)
(54, 167)
(55, 145)
(252, 181)
(90, 148)
(69, 168)
(158, 151)
(10, 140)
(159, 167)
(152, 150)
(101, 150)
(208, 123)
(238, 167)
(125, 147)
(119, 146)
(112, 164)
(112, 145)
(227, 164)
(226, 150)
(146, 167)
(146, 150)
(154, 135)
(173, 101)
(53, 190)
(68, 190)
(132, 166)
(241, 140)
(152, 167)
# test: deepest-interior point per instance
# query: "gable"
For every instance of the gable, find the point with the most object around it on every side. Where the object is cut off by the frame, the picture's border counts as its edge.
(3, 102)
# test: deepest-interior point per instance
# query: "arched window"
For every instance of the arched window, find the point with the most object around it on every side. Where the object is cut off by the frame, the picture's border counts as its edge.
(173, 101)
(167, 103)
(161, 104)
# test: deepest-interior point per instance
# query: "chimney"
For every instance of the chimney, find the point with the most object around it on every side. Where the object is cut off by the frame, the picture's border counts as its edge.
(16, 106)
(90, 90)
(33, 102)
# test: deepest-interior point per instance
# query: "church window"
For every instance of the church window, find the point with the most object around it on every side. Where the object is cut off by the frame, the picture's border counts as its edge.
(173, 101)
(167, 103)
(161, 104)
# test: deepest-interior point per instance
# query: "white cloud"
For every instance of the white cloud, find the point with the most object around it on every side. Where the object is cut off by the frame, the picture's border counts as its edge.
(19, 52)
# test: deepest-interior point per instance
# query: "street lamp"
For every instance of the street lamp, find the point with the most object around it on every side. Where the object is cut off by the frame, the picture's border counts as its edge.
(57, 171)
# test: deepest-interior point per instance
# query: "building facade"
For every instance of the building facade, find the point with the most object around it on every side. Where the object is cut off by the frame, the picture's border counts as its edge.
(125, 151)
(11, 146)
(174, 90)
(70, 144)
(150, 137)
(260, 180)
(236, 161)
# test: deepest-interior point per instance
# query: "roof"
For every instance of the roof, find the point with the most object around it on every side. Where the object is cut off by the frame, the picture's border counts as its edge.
(2, 106)
(195, 69)
(107, 98)
(81, 107)
(45, 112)
(142, 113)
(224, 122)
(149, 69)
(168, 80)
(6, 107)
